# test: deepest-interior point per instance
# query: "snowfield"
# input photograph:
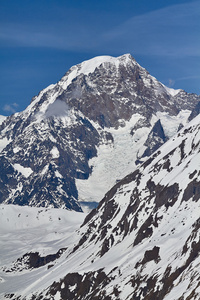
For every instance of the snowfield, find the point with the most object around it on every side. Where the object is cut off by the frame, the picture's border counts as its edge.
(29, 229)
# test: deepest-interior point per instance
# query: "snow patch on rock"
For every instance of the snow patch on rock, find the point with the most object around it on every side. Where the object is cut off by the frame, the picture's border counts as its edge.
(3, 143)
(2, 119)
(54, 152)
(26, 172)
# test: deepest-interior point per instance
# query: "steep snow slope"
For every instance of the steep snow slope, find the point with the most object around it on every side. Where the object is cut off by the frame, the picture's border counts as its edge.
(141, 242)
(4, 141)
(86, 132)
(2, 118)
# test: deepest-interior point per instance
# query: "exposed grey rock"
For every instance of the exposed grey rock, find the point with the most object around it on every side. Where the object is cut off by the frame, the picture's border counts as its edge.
(156, 138)
(195, 112)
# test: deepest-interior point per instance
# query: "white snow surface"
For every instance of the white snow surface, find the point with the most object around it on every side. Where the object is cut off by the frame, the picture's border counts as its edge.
(3, 143)
(2, 118)
(26, 172)
(172, 91)
(54, 152)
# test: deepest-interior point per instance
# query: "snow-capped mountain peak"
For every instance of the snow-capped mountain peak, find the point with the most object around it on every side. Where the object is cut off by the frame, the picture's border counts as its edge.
(105, 116)
(90, 65)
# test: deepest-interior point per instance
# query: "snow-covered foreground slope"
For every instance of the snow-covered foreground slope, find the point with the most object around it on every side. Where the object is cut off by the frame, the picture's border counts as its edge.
(25, 230)
(141, 242)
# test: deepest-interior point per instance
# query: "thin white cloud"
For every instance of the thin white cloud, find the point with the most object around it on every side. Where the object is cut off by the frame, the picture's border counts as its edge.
(15, 104)
(10, 108)
(188, 77)
(171, 82)
(57, 36)
(58, 108)
(171, 31)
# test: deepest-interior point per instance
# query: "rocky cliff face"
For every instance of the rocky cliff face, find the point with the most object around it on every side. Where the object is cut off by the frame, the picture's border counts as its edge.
(79, 136)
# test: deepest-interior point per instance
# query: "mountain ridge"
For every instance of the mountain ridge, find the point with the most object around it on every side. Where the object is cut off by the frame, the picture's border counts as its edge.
(68, 136)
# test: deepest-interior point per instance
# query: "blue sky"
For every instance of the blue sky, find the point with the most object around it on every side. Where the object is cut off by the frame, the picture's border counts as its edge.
(41, 39)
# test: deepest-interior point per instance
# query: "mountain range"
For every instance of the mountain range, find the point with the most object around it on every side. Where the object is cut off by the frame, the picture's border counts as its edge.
(107, 132)
(87, 131)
